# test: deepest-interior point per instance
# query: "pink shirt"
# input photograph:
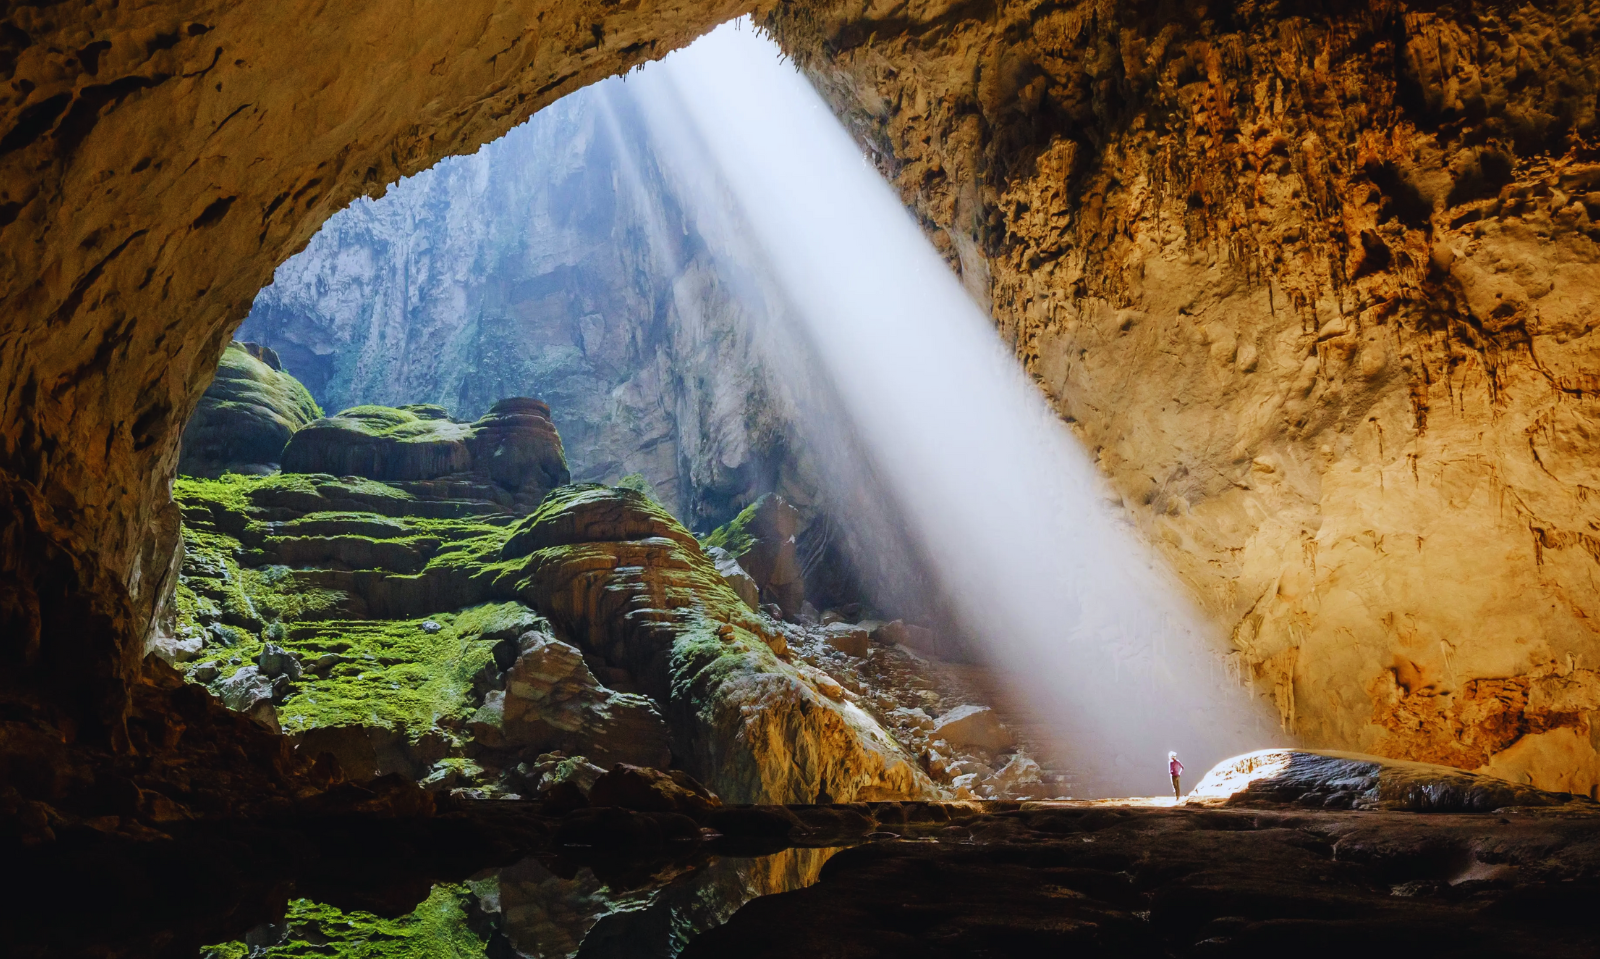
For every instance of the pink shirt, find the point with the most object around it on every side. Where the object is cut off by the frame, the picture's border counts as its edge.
(1175, 767)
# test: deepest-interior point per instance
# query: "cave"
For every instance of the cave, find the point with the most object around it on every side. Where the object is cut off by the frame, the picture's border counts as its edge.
(1309, 289)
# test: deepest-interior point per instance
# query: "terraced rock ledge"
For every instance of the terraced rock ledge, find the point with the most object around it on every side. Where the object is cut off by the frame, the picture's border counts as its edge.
(446, 639)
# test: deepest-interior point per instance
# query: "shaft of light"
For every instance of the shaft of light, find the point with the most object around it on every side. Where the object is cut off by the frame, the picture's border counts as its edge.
(1067, 603)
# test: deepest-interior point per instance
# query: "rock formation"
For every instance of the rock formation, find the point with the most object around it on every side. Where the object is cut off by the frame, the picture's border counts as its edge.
(1333, 780)
(628, 583)
(157, 164)
(246, 416)
(762, 538)
(560, 262)
(1315, 289)
(405, 630)
(512, 454)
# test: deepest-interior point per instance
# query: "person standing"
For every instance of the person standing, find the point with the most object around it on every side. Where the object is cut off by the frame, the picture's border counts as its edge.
(1176, 769)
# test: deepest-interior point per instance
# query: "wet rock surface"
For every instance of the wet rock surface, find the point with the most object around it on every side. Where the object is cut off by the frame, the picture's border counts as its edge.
(913, 879)
(1117, 881)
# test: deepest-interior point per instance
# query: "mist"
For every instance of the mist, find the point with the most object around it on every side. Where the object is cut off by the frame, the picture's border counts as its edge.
(913, 394)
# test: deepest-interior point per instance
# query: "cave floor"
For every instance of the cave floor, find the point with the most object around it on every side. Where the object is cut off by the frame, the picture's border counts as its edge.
(1108, 878)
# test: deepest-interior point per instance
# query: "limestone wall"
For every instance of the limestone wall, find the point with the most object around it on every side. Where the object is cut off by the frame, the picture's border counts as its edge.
(1316, 285)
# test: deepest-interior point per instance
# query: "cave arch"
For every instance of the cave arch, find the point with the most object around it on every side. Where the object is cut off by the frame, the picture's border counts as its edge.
(158, 164)
(1100, 170)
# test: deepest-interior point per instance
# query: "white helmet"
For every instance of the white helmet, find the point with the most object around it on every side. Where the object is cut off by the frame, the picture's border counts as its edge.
(1172, 755)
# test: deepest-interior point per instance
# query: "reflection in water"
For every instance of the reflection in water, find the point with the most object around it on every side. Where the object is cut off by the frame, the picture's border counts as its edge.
(541, 910)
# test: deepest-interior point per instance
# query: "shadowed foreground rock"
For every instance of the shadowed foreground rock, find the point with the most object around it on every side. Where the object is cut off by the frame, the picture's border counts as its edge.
(1096, 880)
(967, 880)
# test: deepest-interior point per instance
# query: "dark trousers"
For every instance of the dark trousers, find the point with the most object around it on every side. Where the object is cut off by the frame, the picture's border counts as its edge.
(1176, 792)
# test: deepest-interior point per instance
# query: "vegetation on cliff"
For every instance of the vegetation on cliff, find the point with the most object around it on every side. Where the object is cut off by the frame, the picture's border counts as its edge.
(246, 417)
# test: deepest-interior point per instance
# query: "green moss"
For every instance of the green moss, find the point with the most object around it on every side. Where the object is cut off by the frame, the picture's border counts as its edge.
(637, 483)
(734, 535)
(436, 929)
(211, 582)
(244, 380)
(402, 425)
(229, 493)
(394, 672)
(278, 595)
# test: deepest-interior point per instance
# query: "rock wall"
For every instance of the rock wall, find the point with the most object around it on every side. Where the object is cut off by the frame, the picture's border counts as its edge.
(1316, 285)
(555, 262)
(157, 162)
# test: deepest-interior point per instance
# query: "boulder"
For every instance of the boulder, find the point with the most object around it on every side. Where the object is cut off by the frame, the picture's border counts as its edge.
(847, 638)
(762, 539)
(176, 649)
(973, 727)
(251, 692)
(246, 416)
(651, 790)
(552, 701)
(1021, 778)
(245, 689)
(517, 445)
(367, 752)
(1338, 780)
(737, 579)
(918, 639)
(553, 769)
(350, 746)
(381, 443)
(276, 661)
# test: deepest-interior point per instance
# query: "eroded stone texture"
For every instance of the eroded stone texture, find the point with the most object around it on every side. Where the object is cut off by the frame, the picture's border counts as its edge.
(560, 261)
(1316, 287)
(512, 455)
(246, 416)
(157, 162)
(1334, 780)
(629, 584)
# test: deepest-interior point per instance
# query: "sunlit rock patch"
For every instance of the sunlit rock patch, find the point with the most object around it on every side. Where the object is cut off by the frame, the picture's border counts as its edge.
(1335, 780)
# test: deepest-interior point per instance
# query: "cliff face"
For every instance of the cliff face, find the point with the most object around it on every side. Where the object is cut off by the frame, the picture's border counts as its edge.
(1317, 289)
(157, 162)
(554, 262)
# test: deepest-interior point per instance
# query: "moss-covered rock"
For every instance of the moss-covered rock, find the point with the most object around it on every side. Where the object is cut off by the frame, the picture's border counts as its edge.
(627, 583)
(438, 928)
(512, 456)
(382, 443)
(596, 626)
(246, 416)
(762, 539)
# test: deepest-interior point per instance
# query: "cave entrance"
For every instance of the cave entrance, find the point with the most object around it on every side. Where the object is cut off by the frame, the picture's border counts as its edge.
(724, 311)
